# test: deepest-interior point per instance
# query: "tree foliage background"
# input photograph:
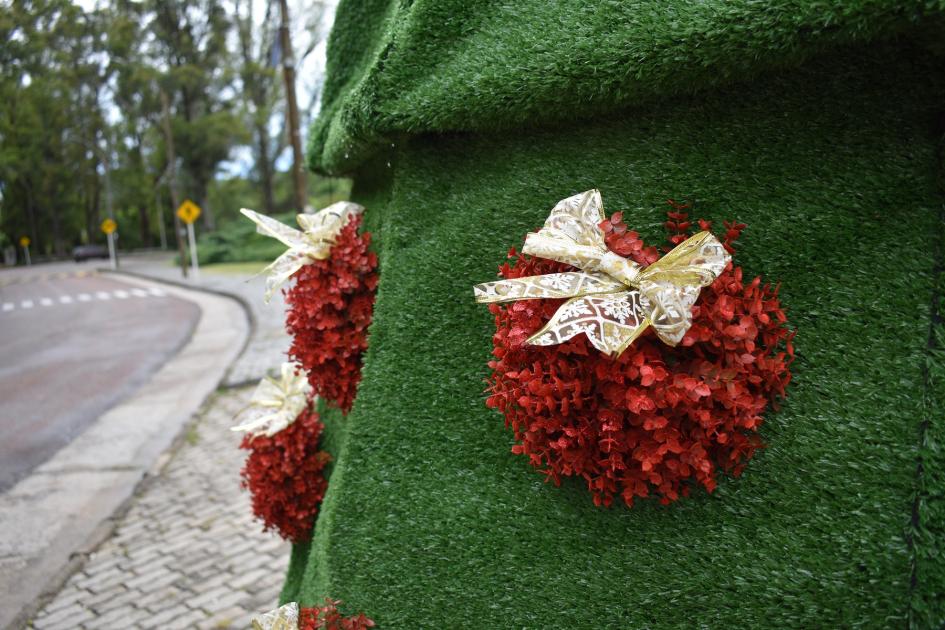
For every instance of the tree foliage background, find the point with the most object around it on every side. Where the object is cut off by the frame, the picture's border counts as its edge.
(81, 115)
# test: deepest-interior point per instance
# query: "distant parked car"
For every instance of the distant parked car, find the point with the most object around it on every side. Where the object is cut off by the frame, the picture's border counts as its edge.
(85, 252)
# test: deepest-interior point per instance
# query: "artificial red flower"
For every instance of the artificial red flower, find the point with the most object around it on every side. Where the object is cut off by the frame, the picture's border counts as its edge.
(657, 419)
(285, 476)
(330, 307)
(328, 617)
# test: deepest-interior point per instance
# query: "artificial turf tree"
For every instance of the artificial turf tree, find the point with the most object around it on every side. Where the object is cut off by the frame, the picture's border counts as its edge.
(820, 126)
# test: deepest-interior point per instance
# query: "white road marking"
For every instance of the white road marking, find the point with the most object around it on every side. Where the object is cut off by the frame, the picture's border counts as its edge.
(120, 294)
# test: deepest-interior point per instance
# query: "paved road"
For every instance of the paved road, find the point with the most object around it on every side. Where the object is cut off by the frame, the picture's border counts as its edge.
(72, 344)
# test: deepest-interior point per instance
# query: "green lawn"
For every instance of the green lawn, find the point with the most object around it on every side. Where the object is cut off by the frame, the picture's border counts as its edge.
(237, 268)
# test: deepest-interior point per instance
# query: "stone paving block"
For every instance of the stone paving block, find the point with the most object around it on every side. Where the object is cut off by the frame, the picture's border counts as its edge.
(69, 612)
(119, 599)
(233, 617)
(156, 601)
(92, 600)
(187, 553)
(166, 618)
(249, 578)
(75, 620)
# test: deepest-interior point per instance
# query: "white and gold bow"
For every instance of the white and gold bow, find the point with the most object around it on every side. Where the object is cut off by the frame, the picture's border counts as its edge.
(312, 242)
(612, 299)
(282, 618)
(275, 404)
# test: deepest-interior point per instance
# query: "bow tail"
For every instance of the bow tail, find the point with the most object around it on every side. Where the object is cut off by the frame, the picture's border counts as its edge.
(272, 422)
(549, 286)
(611, 321)
(669, 308)
(281, 269)
(267, 226)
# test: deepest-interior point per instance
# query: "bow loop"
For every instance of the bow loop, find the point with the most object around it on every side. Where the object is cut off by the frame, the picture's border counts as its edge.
(312, 242)
(572, 235)
(276, 404)
(283, 618)
(612, 299)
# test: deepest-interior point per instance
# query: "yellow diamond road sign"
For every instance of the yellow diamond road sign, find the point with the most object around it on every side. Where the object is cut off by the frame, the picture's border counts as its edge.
(109, 226)
(24, 241)
(188, 211)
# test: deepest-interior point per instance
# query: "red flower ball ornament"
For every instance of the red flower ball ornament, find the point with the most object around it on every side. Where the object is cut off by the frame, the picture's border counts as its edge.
(649, 417)
(328, 617)
(291, 617)
(331, 303)
(284, 471)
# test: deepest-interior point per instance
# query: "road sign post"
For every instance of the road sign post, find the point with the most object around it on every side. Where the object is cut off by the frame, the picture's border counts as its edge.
(25, 244)
(188, 213)
(109, 226)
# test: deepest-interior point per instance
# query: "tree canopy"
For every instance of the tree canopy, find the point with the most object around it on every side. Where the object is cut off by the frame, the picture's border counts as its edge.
(81, 129)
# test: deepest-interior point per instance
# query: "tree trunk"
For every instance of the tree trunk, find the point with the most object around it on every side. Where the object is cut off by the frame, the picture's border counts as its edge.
(58, 246)
(288, 68)
(144, 224)
(265, 169)
(206, 212)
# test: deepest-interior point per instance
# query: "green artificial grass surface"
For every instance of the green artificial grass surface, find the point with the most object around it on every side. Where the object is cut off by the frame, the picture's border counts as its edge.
(398, 67)
(431, 522)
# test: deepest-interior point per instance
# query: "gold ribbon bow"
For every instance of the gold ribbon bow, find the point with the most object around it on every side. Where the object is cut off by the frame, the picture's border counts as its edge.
(612, 299)
(275, 404)
(312, 242)
(283, 618)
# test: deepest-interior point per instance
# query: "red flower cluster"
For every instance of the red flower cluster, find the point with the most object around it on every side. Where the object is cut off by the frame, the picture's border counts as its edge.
(329, 310)
(657, 419)
(327, 617)
(285, 475)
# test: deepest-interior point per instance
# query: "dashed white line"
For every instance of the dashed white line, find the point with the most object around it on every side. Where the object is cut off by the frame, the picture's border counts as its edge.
(120, 294)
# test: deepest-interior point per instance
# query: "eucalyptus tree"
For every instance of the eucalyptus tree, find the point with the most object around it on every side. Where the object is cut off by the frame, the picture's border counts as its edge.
(190, 45)
(46, 166)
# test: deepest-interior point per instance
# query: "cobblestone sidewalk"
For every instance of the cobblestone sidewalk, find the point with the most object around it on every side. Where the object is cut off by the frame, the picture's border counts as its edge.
(187, 553)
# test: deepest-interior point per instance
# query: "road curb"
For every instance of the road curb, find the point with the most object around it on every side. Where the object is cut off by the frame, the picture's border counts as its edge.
(115, 486)
(247, 310)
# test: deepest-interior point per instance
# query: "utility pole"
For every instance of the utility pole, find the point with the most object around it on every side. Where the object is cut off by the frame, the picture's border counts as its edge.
(288, 71)
(172, 178)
